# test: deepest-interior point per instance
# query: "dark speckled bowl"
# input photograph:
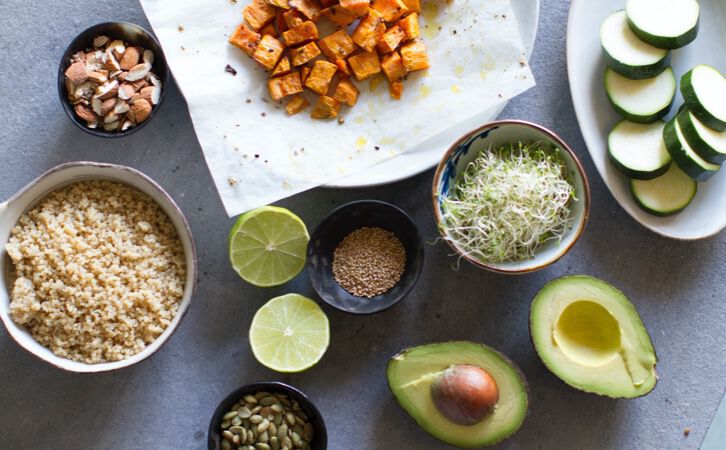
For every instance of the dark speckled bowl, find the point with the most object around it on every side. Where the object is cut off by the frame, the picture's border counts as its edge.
(320, 434)
(128, 32)
(341, 222)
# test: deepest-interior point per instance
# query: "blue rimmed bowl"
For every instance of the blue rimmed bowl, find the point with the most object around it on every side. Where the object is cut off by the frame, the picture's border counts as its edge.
(498, 133)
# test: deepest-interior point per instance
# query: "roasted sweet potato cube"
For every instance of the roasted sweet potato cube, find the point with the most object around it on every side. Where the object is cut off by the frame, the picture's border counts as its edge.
(308, 8)
(357, 7)
(283, 86)
(364, 65)
(269, 29)
(414, 55)
(296, 104)
(369, 30)
(268, 52)
(395, 89)
(245, 39)
(301, 55)
(305, 32)
(293, 18)
(343, 67)
(258, 14)
(412, 5)
(305, 73)
(326, 108)
(319, 79)
(409, 25)
(393, 67)
(391, 39)
(346, 92)
(339, 16)
(391, 10)
(337, 46)
(282, 68)
(279, 3)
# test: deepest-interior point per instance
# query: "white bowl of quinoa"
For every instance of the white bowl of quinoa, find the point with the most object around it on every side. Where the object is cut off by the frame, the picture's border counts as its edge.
(98, 266)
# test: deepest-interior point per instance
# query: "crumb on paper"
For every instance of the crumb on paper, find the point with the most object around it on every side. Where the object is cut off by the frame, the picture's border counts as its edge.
(248, 100)
(686, 431)
(230, 69)
(232, 181)
(180, 28)
(341, 120)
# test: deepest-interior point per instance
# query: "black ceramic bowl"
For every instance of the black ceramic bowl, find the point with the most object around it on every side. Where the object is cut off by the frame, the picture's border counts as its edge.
(320, 439)
(335, 227)
(128, 32)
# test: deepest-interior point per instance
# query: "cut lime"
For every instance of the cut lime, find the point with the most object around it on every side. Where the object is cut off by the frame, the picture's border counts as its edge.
(267, 246)
(289, 333)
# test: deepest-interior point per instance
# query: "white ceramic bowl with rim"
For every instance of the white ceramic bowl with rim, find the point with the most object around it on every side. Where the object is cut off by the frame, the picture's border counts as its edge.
(65, 174)
(504, 132)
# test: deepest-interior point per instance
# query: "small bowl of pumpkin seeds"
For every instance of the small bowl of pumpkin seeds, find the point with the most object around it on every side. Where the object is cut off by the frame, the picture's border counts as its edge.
(267, 416)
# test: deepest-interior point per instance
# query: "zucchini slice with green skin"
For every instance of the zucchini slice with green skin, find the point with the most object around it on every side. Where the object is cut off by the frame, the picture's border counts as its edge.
(708, 143)
(637, 150)
(666, 195)
(704, 90)
(665, 24)
(628, 55)
(642, 101)
(687, 159)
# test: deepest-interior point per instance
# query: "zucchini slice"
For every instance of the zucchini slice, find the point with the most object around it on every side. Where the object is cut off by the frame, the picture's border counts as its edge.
(664, 24)
(666, 195)
(642, 101)
(628, 55)
(687, 159)
(704, 90)
(709, 144)
(637, 149)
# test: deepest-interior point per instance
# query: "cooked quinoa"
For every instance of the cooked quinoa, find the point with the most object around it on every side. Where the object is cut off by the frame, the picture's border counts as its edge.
(99, 271)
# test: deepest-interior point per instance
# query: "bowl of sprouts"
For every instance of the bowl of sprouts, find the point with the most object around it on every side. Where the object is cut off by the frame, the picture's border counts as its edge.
(510, 197)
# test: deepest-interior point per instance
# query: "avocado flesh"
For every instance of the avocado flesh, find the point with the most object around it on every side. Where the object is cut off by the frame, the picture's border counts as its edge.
(412, 372)
(590, 335)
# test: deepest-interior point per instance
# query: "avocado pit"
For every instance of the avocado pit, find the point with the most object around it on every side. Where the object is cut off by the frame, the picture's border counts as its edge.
(465, 394)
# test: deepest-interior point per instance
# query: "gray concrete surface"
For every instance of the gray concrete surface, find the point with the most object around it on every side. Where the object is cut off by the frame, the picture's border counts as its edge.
(166, 402)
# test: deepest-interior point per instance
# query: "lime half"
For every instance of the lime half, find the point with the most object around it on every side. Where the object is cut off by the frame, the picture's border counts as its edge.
(267, 246)
(289, 333)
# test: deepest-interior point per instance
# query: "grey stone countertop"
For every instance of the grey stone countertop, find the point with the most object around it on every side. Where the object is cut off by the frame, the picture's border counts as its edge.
(166, 401)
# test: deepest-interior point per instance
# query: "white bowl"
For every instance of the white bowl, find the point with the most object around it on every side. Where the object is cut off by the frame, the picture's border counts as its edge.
(503, 132)
(69, 173)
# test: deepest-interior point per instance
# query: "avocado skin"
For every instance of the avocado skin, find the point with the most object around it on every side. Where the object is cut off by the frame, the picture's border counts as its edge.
(403, 354)
(552, 369)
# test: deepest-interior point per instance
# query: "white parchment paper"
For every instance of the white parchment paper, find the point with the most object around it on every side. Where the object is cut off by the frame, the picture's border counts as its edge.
(257, 154)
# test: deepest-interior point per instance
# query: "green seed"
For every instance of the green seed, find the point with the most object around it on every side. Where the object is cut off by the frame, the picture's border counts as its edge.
(296, 439)
(236, 429)
(236, 420)
(262, 446)
(286, 442)
(262, 427)
(278, 419)
(276, 407)
(264, 437)
(275, 443)
(250, 399)
(225, 424)
(262, 394)
(297, 429)
(225, 445)
(256, 419)
(228, 435)
(236, 439)
(308, 432)
(290, 417)
(282, 431)
(244, 412)
(229, 415)
(256, 409)
(272, 429)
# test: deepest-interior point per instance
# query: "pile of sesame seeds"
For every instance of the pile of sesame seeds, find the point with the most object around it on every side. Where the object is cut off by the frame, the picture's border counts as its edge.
(369, 261)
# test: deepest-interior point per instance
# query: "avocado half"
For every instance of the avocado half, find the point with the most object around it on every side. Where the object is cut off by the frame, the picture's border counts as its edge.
(589, 334)
(410, 376)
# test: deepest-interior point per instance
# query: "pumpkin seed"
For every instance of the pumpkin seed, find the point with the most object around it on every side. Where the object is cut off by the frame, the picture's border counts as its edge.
(262, 394)
(236, 429)
(267, 411)
(272, 429)
(250, 399)
(290, 417)
(250, 437)
(225, 424)
(244, 412)
(275, 443)
(229, 415)
(276, 407)
(236, 420)
(287, 442)
(282, 431)
(278, 419)
(264, 437)
(228, 435)
(262, 446)
(297, 429)
(256, 409)
(308, 432)
(225, 445)
(256, 419)
(235, 439)
(296, 439)
(262, 427)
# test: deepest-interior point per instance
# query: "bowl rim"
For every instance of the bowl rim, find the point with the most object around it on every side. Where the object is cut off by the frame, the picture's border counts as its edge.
(191, 272)
(265, 386)
(555, 138)
(68, 108)
(418, 269)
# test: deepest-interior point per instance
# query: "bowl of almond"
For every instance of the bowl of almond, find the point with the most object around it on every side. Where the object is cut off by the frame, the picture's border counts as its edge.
(112, 79)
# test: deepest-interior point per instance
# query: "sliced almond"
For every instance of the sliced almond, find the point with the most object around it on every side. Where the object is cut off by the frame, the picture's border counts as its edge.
(115, 73)
(134, 98)
(122, 76)
(126, 125)
(110, 62)
(138, 72)
(141, 110)
(110, 117)
(98, 77)
(76, 72)
(151, 94)
(148, 57)
(79, 56)
(154, 79)
(110, 126)
(117, 46)
(125, 91)
(100, 41)
(85, 113)
(85, 90)
(92, 124)
(107, 106)
(120, 107)
(107, 90)
(139, 84)
(130, 58)
(97, 106)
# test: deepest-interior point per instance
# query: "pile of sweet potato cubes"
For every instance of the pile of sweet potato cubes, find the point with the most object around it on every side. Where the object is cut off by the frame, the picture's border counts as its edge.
(282, 36)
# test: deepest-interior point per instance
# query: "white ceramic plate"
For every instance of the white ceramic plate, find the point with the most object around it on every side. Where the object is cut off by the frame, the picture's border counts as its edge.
(428, 153)
(585, 66)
